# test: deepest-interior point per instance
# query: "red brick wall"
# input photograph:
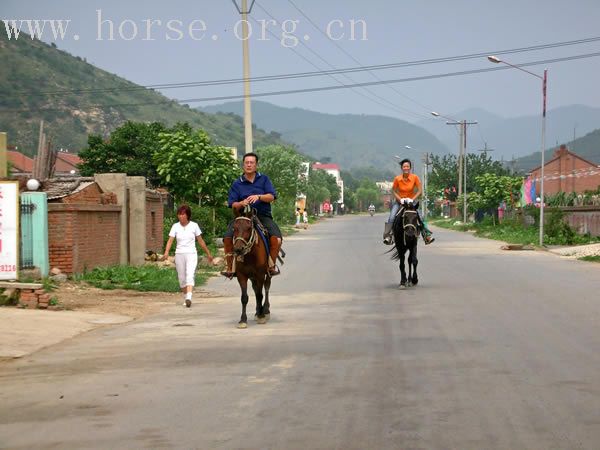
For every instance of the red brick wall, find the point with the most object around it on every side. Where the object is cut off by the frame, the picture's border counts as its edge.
(154, 222)
(568, 174)
(81, 237)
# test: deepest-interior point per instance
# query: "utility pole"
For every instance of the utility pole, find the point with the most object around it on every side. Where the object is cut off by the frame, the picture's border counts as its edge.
(426, 163)
(462, 162)
(3, 156)
(244, 11)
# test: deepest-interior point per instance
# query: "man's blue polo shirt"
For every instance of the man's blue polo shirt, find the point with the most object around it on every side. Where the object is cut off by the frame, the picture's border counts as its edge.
(242, 188)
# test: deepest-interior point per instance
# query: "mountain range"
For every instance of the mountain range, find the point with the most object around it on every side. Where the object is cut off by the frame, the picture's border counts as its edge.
(350, 140)
(517, 136)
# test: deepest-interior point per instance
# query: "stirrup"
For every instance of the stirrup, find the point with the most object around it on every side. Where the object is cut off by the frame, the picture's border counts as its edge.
(274, 271)
(429, 241)
(227, 274)
(388, 240)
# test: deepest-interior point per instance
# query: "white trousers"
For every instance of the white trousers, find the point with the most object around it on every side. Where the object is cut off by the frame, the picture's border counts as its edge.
(186, 263)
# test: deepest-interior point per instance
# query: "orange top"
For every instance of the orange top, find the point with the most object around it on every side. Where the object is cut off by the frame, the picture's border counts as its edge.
(406, 187)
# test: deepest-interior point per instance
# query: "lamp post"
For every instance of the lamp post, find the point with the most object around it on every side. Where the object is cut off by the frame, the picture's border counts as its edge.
(244, 11)
(544, 79)
(426, 164)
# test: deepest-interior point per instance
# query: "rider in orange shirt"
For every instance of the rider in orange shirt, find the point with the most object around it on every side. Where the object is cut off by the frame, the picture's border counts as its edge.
(406, 185)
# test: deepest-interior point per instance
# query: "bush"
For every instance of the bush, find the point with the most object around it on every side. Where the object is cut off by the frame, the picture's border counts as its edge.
(557, 231)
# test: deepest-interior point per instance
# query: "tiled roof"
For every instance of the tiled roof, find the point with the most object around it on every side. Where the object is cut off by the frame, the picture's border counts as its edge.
(20, 162)
(62, 187)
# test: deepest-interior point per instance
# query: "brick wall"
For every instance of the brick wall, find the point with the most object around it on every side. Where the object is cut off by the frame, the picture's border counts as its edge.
(568, 173)
(83, 236)
(583, 219)
(154, 222)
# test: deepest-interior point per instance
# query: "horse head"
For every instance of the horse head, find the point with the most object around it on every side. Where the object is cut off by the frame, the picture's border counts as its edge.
(244, 235)
(410, 220)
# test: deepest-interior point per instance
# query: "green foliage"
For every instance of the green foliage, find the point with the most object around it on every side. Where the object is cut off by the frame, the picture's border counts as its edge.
(282, 165)
(557, 231)
(128, 150)
(193, 169)
(591, 258)
(321, 186)
(445, 171)
(138, 278)
(493, 190)
(367, 193)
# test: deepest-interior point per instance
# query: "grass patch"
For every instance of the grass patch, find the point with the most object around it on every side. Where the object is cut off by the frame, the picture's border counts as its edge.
(513, 232)
(591, 258)
(139, 278)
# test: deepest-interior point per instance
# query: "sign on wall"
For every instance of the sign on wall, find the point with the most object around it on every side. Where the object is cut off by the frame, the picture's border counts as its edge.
(9, 229)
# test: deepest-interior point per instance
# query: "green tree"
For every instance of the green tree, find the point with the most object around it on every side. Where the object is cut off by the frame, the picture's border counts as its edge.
(493, 190)
(282, 165)
(128, 150)
(367, 193)
(193, 169)
(321, 186)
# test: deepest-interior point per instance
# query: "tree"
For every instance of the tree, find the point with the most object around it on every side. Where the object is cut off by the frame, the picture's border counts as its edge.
(128, 150)
(321, 186)
(283, 166)
(193, 169)
(493, 190)
(367, 193)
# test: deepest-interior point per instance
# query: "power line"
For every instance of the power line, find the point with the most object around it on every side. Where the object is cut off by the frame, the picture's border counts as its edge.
(317, 73)
(386, 104)
(329, 88)
(316, 27)
(356, 60)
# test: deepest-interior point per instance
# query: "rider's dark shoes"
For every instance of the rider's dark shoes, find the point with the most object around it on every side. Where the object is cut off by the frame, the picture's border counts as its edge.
(274, 271)
(387, 240)
(428, 240)
(227, 274)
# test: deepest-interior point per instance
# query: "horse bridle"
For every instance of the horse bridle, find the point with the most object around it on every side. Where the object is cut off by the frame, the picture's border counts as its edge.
(405, 225)
(248, 243)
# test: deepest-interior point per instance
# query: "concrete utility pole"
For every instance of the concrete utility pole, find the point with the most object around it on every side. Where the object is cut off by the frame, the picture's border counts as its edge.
(462, 162)
(426, 163)
(244, 11)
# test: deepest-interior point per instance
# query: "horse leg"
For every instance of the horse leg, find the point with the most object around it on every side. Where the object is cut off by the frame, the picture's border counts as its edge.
(402, 270)
(266, 304)
(243, 281)
(415, 262)
(257, 285)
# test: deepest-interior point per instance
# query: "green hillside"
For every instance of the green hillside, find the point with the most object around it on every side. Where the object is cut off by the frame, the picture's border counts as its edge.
(351, 140)
(30, 68)
(588, 147)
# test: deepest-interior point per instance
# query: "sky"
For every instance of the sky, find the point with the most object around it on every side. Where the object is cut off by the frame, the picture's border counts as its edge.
(394, 32)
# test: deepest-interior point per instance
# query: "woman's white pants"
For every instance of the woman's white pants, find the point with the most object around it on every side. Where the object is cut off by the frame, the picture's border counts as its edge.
(186, 263)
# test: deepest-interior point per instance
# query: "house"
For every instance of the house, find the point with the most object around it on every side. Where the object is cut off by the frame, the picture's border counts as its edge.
(332, 169)
(567, 172)
(66, 163)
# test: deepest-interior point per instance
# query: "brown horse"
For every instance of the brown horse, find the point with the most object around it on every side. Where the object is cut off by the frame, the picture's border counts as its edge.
(251, 262)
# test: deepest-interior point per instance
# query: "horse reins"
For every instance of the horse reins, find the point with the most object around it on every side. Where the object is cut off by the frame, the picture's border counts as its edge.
(406, 225)
(249, 242)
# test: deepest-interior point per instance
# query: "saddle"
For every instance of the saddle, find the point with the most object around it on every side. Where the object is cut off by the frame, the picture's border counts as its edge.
(262, 231)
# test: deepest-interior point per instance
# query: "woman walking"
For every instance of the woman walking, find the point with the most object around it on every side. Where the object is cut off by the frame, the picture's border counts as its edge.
(186, 257)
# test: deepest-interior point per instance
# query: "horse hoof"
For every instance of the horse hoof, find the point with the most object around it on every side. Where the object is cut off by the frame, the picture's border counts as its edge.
(267, 317)
(261, 320)
(402, 286)
(409, 284)
(242, 325)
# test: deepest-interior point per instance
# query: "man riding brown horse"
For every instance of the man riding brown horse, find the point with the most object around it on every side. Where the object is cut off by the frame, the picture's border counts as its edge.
(256, 190)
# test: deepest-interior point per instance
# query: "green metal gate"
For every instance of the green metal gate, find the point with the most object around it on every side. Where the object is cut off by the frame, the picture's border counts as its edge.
(26, 225)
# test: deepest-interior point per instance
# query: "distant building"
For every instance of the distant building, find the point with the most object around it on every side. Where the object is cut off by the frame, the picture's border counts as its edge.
(66, 163)
(332, 169)
(567, 172)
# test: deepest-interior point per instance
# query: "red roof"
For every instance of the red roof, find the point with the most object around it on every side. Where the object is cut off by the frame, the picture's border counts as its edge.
(19, 161)
(65, 162)
(326, 166)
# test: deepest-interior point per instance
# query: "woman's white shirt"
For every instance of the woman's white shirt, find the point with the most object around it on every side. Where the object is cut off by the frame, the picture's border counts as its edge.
(186, 236)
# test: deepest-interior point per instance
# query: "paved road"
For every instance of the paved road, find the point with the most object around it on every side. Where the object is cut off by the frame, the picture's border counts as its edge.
(494, 350)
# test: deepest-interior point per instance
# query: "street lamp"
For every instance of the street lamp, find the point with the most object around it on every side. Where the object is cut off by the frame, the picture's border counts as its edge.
(544, 79)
